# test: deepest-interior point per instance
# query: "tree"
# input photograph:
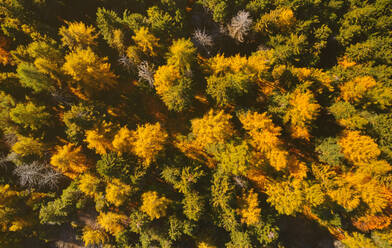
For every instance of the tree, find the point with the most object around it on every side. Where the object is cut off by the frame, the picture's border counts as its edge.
(98, 140)
(262, 130)
(240, 25)
(89, 184)
(281, 19)
(146, 41)
(122, 142)
(117, 192)
(94, 236)
(303, 110)
(108, 22)
(61, 209)
(31, 77)
(213, 127)
(354, 90)
(70, 160)
(26, 146)
(153, 205)
(30, 116)
(92, 71)
(173, 87)
(148, 141)
(233, 158)
(77, 34)
(358, 148)
(286, 197)
(250, 211)
(77, 120)
(112, 222)
(182, 54)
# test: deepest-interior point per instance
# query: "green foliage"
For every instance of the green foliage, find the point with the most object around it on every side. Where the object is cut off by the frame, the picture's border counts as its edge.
(31, 77)
(60, 210)
(30, 116)
(330, 152)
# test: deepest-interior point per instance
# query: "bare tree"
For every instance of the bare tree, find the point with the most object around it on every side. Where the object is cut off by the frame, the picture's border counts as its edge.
(37, 175)
(125, 62)
(240, 25)
(202, 39)
(146, 72)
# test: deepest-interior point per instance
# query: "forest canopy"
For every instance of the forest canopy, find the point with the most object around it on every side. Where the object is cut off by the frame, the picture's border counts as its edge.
(198, 123)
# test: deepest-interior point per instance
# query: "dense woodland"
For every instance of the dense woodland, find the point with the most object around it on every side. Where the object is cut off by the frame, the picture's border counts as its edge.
(208, 123)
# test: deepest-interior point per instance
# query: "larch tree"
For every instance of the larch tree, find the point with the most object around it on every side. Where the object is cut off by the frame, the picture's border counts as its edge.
(78, 34)
(213, 127)
(70, 160)
(153, 205)
(92, 71)
(146, 41)
(148, 141)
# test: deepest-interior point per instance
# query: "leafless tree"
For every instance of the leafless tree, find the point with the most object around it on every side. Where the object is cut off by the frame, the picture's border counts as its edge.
(37, 175)
(202, 39)
(240, 25)
(125, 62)
(146, 72)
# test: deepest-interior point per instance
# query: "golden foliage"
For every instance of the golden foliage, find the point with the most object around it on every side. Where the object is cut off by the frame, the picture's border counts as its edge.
(122, 141)
(98, 140)
(281, 19)
(94, 236)
(89, 185)
(346, 196)
(146, 41)
(153, 205)
(84, 65)
(286, 197)
(117, 192)
(112, 222)
(250, 211)
(149, 140)
(354, 90)
(213, 127)
(371, 222)
(70, 160)
(262, 130)
(358, 148)
(77, 34)
(26, 146)
(165, 78)
(303, 109)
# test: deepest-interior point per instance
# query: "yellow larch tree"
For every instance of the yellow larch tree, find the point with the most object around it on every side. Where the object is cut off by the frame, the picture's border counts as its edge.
(94, 237)
(27, 146)
(213, 127)
(148, 141)
(70, 160)
(250, 211)
(354, 90)
(117, 192)
(77, 34)
(264, 134)
(122, 142)
(146, 41)
(265, 137)
(92, 71)
(286, 197)
(112, 222)
(89, 184)
(165, 78)
(358, 148)
(100, 139)
(303, 110)
(153, 205)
